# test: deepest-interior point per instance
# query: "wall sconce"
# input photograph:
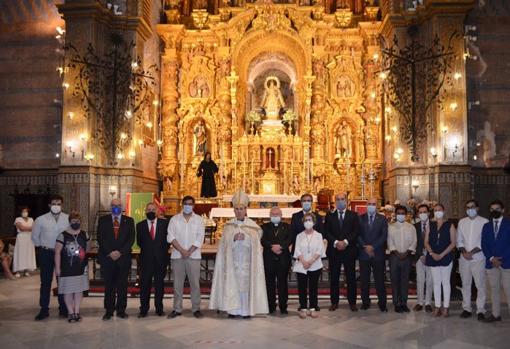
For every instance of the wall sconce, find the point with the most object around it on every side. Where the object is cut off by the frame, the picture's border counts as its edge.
(457, 76)
(65, 85)
(70, 115)
(134, 65)
(383, 75)
(123, 136)
(120, 156)
(394, 129)
(148, 124)
(415, 184)
(159, 142)
(132, 154)
(128, 114)
(112, 190)
(453, 106)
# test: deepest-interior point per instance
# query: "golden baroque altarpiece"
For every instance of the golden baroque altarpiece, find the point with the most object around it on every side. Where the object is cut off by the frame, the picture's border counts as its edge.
(284, 97)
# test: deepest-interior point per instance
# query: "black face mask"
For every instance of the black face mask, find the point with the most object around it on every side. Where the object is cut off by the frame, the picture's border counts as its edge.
(75, 226)
(495, 214)
(151, 215)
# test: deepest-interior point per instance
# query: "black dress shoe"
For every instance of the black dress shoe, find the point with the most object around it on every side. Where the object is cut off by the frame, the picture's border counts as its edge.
(398, 309)
(142, 314)
(492, 318)
(173, 314)
(230, 316)
(405, 309)
(41, 316)
(428, 308)
(197, 314)
(333, 307)
(160, 312)
(247, 317)
(481, 317)
(272, 311)
(365, 306)
(383, 308)
(353, 307)
(284, 312)
(107, 316)
(122, 315)
(465, 314)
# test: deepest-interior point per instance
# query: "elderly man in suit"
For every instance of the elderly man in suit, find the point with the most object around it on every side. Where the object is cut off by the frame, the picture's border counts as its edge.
(151, 238)
(341, 228)
(372, 237)
(115, 235)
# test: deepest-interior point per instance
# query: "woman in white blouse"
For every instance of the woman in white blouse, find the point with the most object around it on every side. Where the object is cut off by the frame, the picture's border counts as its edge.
(24, 250)
(308, 266)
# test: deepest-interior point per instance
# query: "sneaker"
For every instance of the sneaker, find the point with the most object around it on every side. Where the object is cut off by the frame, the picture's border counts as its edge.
(303, 313)
(436, 312)
(492, 318)
(481, 317)
(17, 275)
(314, 314)
(27, 273)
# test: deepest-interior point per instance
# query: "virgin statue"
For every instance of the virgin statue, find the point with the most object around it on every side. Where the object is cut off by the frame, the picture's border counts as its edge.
(272, 101)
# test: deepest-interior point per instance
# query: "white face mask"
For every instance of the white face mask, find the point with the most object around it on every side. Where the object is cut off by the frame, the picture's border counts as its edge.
(56, 209)
(439, 214)
(276, 219)
(471, 212)
(423, 217)
(24, 214)
(371, 209)
(401, 218)
(308, 225)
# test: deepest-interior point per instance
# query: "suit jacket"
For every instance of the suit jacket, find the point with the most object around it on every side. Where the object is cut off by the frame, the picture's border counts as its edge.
(375, 235)
(297, 226)
(349, 232)
(283, 238)
(108, 243)
(496, 247)
(420, 238)
(156, 249)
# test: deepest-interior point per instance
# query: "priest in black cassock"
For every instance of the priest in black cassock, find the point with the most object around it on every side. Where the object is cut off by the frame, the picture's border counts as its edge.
(206, 170)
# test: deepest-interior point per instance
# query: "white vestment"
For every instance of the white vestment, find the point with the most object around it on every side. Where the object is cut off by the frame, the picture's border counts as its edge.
(239, 285)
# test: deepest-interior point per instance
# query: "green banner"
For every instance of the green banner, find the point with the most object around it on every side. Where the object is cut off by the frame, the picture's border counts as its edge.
(136, 203)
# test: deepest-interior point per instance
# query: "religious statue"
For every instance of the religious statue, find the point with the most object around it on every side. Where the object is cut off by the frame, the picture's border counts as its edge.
(200, 139)
(343, 141)
(272, 101)
(344, 87)
(199, 88)
(488, 139)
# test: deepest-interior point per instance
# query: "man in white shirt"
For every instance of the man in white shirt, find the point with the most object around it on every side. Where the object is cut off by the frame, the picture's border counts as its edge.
(472, 260)
(186, 234)
(401, 244)
(44, 235)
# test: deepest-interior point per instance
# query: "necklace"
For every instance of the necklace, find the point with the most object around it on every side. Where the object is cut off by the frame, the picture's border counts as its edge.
(308, 241)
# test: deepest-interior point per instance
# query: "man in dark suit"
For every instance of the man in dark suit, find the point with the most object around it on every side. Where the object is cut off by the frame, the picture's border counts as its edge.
(496, 249)
(341, 228)
(296, 223)
(151, 237)
(372, 237)
(423, 272)
(276, 239)
(115, 235)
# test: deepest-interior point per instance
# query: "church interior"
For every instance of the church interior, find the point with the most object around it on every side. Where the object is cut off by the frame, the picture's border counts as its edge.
(404, 101)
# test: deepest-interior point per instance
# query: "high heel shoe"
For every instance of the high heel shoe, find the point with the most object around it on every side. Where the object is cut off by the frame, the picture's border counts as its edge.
(77, 317)
(71, 318)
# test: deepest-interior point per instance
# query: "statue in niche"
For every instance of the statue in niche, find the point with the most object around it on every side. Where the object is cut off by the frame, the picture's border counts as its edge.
(344, 87)
(488, 139)
(343, 141)
(272, 101)
(200, 139)
(199, 88)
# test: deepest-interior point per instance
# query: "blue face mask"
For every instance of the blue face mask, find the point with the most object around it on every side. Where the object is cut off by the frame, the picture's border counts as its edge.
(371, 209)
(307, 205)
(341, 205)
(187, 209)
(276, 219)
(116, 210)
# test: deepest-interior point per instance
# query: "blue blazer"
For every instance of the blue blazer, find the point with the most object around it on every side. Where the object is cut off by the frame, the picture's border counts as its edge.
(376, 235)
(499, 247)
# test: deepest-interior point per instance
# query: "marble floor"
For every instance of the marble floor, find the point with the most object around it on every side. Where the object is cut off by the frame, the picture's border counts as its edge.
(341, 329)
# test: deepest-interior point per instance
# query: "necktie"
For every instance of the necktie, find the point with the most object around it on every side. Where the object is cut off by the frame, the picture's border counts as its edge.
(340, 219)
(496, 229)
(153, 233)
(116, 226)
(423, 228)
(370, 220)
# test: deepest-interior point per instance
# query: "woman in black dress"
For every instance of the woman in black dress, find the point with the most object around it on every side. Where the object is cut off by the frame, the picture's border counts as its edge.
(206, 170)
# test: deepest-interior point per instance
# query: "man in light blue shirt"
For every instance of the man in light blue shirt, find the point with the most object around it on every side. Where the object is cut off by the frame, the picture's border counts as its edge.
(44, 235)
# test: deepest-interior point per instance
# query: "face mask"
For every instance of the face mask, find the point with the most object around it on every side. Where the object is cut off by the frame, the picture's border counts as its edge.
(150, 215)
(471, 212)
(116, 210)
(276, 219)
(341, 205)
(308, 225)
(24, 214)
(307, 205)
(187, 209)
(371, 209)
(55, 209)
(439, 214)
(75, 226)
(423, 217)
(401, 218)
(495, 214)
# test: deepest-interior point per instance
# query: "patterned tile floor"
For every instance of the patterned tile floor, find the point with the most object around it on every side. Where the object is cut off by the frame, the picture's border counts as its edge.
(341, 329)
